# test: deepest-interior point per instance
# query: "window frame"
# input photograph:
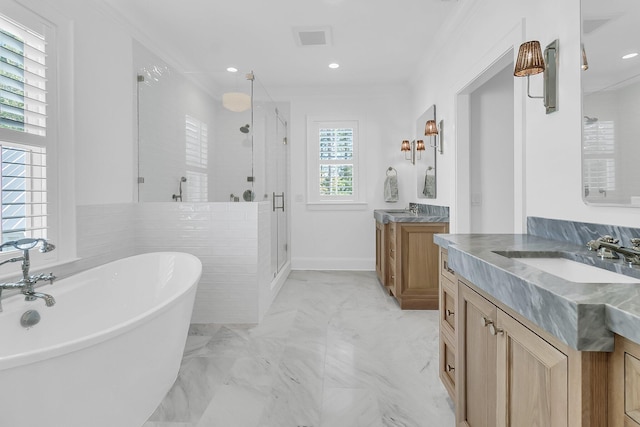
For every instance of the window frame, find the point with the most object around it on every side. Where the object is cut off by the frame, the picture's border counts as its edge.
(314, 196)
(8, 137)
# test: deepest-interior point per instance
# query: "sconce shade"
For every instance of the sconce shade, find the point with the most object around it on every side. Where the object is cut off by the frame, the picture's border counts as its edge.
(420, 145)
(530, 60)
(405, 146)
(431, 129)
(236, 101)
(585, 63)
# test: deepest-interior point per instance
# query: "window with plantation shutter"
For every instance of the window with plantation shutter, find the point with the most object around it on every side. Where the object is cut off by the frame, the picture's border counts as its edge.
(23, 80)
(333, 163)
(23, 130)
(599, 164)
(197, 143)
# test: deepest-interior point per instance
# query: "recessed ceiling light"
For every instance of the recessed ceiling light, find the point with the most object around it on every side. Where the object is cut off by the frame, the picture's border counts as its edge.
(232, 69)
(334, 65)
(630, 55)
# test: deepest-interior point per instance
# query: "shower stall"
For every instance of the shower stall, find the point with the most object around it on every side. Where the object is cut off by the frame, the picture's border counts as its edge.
(213, 176)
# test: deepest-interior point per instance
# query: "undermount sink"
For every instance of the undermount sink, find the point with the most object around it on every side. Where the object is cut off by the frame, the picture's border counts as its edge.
(573, 271)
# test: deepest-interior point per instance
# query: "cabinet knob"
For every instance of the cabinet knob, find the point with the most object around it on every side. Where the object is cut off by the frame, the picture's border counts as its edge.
(393, 277)
(450, 368)
(495, 331)
(485, 321)
(450, 313)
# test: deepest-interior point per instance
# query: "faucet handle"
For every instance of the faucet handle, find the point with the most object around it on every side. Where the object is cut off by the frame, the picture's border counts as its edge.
(635, 242)
(608, 239)
(50, 277)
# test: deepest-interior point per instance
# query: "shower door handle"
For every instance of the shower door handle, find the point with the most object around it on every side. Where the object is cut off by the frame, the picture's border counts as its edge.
(278, 196)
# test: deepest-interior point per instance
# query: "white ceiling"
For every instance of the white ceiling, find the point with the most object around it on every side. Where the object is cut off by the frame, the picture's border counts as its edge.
(376, 42)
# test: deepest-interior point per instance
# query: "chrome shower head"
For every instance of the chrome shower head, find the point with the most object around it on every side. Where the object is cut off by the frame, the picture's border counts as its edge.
(245, 128)
(183, 179)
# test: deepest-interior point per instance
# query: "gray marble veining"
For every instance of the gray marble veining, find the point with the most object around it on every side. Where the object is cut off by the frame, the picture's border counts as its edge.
(583, 315)
(578, 232)
(334, 350)
(425, 213)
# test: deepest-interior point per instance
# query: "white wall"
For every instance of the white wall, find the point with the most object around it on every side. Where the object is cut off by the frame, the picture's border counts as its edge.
(103, 119)
(104, 83)
(491, 152)
(345, 239)
(481, 32)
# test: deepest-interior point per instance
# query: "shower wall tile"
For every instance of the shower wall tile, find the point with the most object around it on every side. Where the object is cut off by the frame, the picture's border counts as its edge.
(104, 233)
(224, 237)
(231, 239)
(264, 267)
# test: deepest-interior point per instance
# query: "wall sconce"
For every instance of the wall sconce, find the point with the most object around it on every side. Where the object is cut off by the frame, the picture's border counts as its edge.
(530, 62)
(585, 63)
(434, 130)
(412, 147)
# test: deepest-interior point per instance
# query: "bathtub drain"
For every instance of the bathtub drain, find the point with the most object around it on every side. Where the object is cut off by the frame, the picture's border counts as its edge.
(29, 318)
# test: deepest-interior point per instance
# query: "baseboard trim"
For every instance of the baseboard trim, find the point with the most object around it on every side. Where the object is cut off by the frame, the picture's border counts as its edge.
(354, 264)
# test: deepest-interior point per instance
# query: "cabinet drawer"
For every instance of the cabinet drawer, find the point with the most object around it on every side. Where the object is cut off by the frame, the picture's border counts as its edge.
(448, 302)
(392, 240)
(448, 366)
(445, 270)
(392, 277)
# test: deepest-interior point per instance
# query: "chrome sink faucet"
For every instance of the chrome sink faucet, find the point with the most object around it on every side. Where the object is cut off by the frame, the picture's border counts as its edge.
(608, 247)
(28, 280)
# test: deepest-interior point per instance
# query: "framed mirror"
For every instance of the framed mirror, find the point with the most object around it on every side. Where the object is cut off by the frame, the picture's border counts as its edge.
(610, 102)
(426, 161)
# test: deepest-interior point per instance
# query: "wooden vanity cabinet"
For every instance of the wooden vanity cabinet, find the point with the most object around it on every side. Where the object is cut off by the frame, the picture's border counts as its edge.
(447, 302)
(407, 262)
(624, 384)
(414, 276)
(511, 373)
(381, 251)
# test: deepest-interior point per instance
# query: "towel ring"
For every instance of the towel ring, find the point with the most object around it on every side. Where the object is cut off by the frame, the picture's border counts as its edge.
(392, 170)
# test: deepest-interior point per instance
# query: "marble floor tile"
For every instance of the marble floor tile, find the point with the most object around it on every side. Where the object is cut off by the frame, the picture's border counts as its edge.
(350, 407)
(334, 350)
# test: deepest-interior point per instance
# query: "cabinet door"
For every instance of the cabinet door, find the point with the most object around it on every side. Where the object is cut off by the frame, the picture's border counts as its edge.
(391, 258)
(380, 251)
(476, 365)
(531, 378)
(419, 270)
(624, 384)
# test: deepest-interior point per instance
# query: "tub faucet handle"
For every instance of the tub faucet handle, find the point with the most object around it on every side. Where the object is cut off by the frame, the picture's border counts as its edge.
(50, 277)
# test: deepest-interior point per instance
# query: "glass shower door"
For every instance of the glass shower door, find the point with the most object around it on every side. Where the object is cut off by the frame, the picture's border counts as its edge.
(282, 168)
(277, 176)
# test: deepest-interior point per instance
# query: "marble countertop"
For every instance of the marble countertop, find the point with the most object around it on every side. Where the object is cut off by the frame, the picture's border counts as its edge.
(401, 215)
(582, 315)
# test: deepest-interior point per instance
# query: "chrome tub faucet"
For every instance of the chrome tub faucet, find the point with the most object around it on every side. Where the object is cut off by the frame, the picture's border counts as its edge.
(26, 284)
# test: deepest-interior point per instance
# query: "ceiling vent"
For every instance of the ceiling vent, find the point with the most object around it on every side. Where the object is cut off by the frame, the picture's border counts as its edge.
(312, 36)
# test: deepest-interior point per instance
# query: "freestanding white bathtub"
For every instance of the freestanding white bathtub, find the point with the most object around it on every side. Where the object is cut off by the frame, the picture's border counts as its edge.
(106, 353)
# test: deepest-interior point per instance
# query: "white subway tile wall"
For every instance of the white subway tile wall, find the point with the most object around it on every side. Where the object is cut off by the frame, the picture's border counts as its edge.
(231, 239)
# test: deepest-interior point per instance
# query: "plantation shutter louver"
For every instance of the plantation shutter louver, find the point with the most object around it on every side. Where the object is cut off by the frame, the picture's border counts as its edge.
(23, 82)
(336, 161)
(23, 111)
(599, 157)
